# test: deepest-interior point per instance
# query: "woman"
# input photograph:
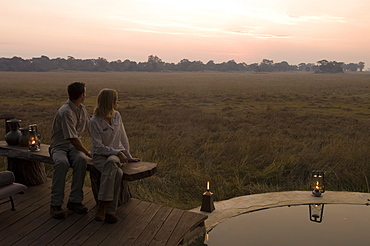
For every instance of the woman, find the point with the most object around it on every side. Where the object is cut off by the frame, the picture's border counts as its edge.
(110, 148)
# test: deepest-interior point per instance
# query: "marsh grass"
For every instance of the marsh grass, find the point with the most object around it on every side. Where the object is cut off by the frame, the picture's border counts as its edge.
(246, 133)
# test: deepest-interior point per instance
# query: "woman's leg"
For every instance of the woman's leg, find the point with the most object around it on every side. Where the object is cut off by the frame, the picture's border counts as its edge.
(110, 182)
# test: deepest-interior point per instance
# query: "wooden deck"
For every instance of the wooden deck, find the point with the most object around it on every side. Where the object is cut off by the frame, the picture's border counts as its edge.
(140, 223)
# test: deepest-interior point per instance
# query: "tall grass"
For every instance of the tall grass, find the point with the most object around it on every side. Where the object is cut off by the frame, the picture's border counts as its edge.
(246, 133)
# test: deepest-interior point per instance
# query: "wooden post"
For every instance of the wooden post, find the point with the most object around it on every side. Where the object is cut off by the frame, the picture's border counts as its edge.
(26, 172)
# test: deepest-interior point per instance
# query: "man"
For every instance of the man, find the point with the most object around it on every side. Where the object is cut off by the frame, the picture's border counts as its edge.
(67, 150)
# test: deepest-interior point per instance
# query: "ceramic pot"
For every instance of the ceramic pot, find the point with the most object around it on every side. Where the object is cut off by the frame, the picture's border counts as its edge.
(12, 137)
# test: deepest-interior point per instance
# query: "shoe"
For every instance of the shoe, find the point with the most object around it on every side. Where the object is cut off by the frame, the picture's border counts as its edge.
(57, 212)
(110, 218)
(100, 213)
(77, 207)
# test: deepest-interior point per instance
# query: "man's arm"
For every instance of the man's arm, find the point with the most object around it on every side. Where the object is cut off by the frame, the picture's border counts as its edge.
(76, 142)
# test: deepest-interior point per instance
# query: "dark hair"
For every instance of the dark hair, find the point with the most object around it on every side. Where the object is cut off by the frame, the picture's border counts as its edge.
(75, 90)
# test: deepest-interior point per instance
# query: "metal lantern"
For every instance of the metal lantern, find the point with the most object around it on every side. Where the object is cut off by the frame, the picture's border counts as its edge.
(33, 140)
(316, 212)
(317, 183)
(207, 203)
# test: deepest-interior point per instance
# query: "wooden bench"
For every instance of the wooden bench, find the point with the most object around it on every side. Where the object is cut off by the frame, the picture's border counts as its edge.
(36, 173)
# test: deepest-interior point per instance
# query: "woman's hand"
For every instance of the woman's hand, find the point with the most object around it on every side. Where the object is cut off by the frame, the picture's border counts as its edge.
(122, 157)
(134, 160)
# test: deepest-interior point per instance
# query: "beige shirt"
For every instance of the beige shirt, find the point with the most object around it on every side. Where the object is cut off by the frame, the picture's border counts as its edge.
(69, 122)
(109, 139)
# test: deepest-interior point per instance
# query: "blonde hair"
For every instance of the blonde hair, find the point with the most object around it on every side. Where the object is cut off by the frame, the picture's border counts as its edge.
(105, 103)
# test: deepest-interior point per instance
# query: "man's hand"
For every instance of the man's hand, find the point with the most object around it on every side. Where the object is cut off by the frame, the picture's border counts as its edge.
(134, 160)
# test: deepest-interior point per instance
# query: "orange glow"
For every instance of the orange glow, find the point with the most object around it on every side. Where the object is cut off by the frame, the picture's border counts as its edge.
(33, 141)
(244, 31)
(207, 185)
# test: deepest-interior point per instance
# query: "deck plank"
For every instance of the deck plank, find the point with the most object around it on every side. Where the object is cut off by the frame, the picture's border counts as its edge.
(23, 200)
(23, 209)
(140, 222)
(124, 225)
(77, 226)
(106, 228)
(185, 225)
(130, 236)
(62, 226)
(168, 227)
(153, 227)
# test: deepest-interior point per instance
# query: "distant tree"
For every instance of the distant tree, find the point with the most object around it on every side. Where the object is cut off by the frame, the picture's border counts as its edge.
(361, 66)
(116, 66)
(282, 66)
(154, 64)
(266, 65)
(253, 67)
(170, 66)
(101, 64)
(15, 64)
(210, 65)
(196, 66)
(330, 67)
(41, 64)
(184, 65)
(353, 67)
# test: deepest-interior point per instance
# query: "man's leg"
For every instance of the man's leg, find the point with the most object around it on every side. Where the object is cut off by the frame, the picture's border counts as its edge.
(60, 169)
(78, 163)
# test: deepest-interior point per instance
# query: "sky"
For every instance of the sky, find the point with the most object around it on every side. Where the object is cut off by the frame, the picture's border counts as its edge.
(198, 30)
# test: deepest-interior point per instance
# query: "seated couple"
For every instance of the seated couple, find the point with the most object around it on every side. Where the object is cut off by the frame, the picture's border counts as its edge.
(110, 148)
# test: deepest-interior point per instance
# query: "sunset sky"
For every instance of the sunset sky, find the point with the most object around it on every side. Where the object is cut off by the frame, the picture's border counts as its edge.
(242, 30)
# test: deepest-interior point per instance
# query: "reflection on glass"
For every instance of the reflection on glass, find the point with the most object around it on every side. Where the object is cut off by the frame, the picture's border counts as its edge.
(316, 212)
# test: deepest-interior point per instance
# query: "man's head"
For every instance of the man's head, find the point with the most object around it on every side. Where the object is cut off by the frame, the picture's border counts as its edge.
(76, 90)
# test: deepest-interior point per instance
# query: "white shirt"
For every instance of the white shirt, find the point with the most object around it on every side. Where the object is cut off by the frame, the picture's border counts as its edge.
(109, 139)
(69, 122)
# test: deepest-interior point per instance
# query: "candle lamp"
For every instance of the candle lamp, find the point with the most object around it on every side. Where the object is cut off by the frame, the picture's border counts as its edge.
(316, 212)
(317, 183)
(207, 204)
(33, 140)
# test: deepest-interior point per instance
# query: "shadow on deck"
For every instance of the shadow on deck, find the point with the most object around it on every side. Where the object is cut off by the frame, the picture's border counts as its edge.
(140, 223)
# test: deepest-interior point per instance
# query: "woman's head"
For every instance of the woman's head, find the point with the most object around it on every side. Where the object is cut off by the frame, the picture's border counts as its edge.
(106, 103)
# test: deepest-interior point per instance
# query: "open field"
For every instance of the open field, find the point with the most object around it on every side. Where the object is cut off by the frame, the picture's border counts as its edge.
(244, 132)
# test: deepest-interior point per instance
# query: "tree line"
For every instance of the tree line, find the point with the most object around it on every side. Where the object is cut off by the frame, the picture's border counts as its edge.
(155, 64)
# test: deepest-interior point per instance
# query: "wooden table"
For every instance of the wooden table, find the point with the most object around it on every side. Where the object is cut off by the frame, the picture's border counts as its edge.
(28, 167)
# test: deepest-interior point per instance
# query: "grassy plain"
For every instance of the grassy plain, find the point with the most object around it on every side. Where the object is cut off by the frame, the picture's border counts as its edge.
(246, 133)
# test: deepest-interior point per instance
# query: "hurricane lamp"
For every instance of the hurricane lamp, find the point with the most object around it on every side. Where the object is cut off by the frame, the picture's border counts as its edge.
(317, 183)
(207, 203)
(33, 140)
